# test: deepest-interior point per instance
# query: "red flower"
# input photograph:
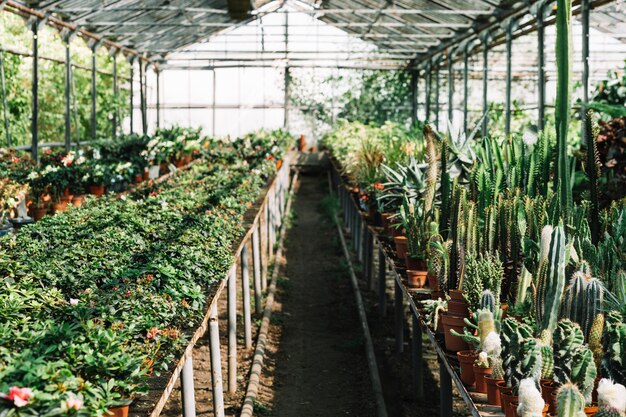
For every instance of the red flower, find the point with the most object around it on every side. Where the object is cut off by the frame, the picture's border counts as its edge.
(152, 333)
(48, 151)
(270, 158)
(16, 159)
(18, 396)
(378, 186)
(364, 197)
(153, 194)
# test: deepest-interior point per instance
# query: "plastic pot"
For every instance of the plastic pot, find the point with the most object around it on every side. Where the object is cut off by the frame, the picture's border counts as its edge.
(493, 394)
(479, 378)
(453, 343)
(466, 361)
(416, 279)
(591, 410)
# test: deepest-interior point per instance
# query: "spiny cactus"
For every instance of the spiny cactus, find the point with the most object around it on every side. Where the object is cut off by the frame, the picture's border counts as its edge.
(568, 337)
(573, 298)
(513, 337)
(530, 401)
(486, 324)
(614, 360)
(583, 372)
(551, 280)
(608, 412)
(583, 299)
(547, 362)
(612, 395)
(529, 364)
(488, 301)
(570, 402)
(497, 370)
(595, 339)
(594, 297)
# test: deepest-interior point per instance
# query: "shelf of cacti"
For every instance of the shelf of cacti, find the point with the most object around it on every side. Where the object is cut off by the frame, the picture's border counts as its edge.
(530, 305)
(63, 179)
(97, 301)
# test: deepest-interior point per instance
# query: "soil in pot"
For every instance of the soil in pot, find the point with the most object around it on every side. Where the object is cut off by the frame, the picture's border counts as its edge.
(97, 190)
(78, 200)
(547, 389)
(479, 378)
(121, 411)
(416, 279)
(401, 246)
(466, 361)
(493, 394)
(453, 343)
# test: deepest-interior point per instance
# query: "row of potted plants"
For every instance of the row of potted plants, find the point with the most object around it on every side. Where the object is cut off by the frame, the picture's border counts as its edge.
(96, 300)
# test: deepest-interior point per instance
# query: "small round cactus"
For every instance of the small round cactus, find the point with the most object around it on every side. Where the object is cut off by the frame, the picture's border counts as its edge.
(608, 412)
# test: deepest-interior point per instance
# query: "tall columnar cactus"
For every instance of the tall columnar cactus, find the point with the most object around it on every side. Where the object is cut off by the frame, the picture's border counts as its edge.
(593, 300)
(551, 280)
(486, 325)
(570, 402)
(583, 298)
(547, 361)
(583, 372)
(573, 298)
(568, 338)
(563, 102)
(595, 339)
(488, 301)
(432, 170)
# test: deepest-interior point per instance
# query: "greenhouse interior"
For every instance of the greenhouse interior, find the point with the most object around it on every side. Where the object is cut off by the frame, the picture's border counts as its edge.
(300, 208)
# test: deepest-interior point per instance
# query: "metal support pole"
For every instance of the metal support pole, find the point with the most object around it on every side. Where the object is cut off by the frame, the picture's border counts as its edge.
(465, 85)
(369, 266)
(416, 354)
(541, 82)
(509, 78)
(7, 131)
(232, 330)
(132, 98)
(187, 389)
(265, 247)
(214, 106)
(445, 391)
(216, 364)
(485, 83)
(115, 95)
(94, 126)
(256, 265)
(158, 98)
(428, 88)
(450, 88)
(286, 100)
(437, 74)
(142, 97)
(382, 282)
(245, 287)
(398, 308)
(584, 20)
(35, 96)
(68, 86)
(413, 96)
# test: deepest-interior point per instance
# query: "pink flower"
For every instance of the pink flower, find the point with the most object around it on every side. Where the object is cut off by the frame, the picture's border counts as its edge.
(19, 396)
(152, 333)
(73, 402)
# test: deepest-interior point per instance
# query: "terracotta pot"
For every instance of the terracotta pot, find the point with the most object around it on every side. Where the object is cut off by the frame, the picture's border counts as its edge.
(479, 378)
(386, 223)
(145, 175)
(453, 343)
(433, 282)
(164, 168)
(458, 308)
(78, 200)
(493, 394)
(138, 179)
(457, 295)
(401, 246)
(416, 279)
(121, 411)
(97, 190)
(503, 389)
(39, 212)
(66, 199)
(60, 206)
(396, 231)
(187, 159)
(505, 309)
(591, 410)
(66, 192)
(547, 389)
(279, 163)
(466, 361)
(179, 163)
(510, 403)
(438, 294)
(414, 264)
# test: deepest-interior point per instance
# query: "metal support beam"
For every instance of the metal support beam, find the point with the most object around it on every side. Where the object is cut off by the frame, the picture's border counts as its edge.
(382, 282)
(68, 87)
(132, 98)
(398, 308)
(509, 78)
(584, 20)
(142, 97)
(216, 364)
(541, 82)
(413, 97)
(416, 356)
(428, 88)
(187, 389)
(450, 87)
(214, 105)
(465, 85)
(5, 110)
(115, 95)
(232, 330)
(158, 98)
(485, 41)
(245, 288)
(286, 99)
(94, 121)
(445, 391)
(35, 96)
(437, 74)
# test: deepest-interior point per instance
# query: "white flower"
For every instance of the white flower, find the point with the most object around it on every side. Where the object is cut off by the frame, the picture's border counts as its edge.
(612, 395)
(74, 301)
(529, 138)
(482, 357)
(530, 401)
(33, 175)
(491, 344)
(96, 154)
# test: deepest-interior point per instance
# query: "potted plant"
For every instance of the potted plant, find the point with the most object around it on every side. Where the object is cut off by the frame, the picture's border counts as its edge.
(420, 226)
(97, 176)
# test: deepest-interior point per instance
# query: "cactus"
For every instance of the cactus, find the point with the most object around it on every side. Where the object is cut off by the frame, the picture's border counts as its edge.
(573, 297)
(595, 339)
(614, 360)
(488, 301)
(570, 402)
(496, 367)
(486, 324)
(547, 362)
(608, 412)
(551, 280)
(583, 299)
(612, 395)
(514, 335)
(483, 273)
(584, 371)
(568, 337)
(594, 297)
(530, 401)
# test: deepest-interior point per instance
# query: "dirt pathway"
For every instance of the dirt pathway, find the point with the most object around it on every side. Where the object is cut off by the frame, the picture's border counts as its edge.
(320, 363)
